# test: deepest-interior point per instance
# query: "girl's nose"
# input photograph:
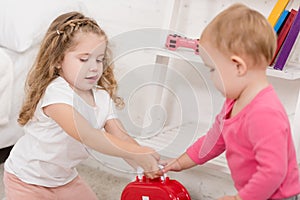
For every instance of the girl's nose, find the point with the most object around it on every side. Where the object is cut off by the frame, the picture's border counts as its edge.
(93, 69)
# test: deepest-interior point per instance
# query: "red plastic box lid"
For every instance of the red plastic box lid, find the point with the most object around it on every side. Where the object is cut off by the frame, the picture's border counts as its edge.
(155, 189)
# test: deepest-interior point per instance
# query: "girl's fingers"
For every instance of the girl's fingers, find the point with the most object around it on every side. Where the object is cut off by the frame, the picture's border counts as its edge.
(156, 156)
(163, 162)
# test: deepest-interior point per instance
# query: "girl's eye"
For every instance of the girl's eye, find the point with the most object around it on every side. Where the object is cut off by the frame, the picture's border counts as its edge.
(100, 60)
(83, 59)
(211, 70)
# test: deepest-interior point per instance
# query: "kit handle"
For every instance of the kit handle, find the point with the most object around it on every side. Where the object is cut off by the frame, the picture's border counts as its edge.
(140, 173)
(164, 176)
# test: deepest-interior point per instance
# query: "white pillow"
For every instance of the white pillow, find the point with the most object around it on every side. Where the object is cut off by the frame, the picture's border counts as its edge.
(24, 23)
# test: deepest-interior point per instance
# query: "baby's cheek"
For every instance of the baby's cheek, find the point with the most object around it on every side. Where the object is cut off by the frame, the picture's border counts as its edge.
(219, 84)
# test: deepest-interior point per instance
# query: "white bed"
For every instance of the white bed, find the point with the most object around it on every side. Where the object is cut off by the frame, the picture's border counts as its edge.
(12, 92)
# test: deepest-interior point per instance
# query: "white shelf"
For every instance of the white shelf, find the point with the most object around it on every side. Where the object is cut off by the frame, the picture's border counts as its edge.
(289, 72)
(181, 53)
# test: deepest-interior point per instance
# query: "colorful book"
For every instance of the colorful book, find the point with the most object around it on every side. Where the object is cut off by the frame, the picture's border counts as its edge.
(281, 20)
(276, 11)
(288, 43)
(284, 31)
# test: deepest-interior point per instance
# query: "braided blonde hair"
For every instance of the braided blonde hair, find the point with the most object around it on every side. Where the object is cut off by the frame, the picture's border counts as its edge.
(58, 39)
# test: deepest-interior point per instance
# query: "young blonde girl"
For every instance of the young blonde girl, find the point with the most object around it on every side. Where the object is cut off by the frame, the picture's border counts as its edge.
(252, 127)
(68, 109)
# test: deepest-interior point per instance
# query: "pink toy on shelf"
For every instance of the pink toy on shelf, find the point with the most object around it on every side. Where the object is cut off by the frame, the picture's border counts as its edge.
(174, 41)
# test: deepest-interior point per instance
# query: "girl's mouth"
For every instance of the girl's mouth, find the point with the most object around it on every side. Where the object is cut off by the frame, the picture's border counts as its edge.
(92, 77)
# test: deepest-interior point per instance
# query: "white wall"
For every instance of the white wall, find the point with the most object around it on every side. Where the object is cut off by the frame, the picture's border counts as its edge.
(118, 16)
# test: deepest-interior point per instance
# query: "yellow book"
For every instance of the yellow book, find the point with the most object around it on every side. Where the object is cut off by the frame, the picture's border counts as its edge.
(277, 10)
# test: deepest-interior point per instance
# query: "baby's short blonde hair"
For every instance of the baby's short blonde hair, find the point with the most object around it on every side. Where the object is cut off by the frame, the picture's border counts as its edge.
(242, 31)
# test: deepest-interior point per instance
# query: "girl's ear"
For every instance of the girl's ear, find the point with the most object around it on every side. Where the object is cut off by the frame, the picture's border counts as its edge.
(240, 65)
(58, 65)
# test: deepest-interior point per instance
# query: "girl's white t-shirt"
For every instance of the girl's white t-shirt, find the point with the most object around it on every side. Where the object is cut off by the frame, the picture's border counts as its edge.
(46, 155)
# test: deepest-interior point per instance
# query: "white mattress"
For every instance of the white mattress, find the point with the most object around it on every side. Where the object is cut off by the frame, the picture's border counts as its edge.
(10, 131)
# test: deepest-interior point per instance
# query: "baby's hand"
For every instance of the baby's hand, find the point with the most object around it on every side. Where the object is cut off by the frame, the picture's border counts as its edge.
(168, 165)
(171, 165)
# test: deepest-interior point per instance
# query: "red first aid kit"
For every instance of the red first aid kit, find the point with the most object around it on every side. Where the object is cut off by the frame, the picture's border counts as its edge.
(162, 188)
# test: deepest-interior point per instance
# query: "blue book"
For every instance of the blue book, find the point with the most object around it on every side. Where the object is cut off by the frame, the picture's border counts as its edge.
(281, 20)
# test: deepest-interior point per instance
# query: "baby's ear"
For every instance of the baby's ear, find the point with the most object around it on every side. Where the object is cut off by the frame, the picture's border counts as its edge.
(240, 65)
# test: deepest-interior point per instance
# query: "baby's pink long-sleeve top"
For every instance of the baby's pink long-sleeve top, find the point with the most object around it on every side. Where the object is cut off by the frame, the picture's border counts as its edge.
(259, 148)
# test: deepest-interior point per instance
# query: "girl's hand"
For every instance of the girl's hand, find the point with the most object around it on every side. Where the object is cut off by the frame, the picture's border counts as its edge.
(148, 160)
